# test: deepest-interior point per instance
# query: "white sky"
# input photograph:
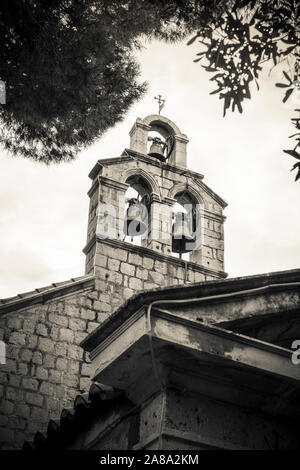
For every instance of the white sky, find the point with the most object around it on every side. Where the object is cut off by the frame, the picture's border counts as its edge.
(44, 210)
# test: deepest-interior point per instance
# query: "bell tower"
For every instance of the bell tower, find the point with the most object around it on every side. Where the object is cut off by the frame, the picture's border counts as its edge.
(152, 221)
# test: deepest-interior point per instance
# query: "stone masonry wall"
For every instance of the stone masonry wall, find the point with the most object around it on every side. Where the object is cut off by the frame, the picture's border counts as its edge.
(130, 269)
(45, 366)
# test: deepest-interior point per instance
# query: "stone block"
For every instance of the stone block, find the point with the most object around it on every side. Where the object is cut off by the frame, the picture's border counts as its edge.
(113, 264)
(128, 269)
(55, 376)
(128, 293)
(12, 352)
(157, 278)
(14, 323)
(47, 388)
(142, 273)
(34, 399)
(73, 367)
(112, 252)
(67, 335)
(92, 326)
(74, 352)
(32, 341)
(71, 381)
(160, 266)
(53, 405)
(116, 278)
(28, 326)
(191, 276)
(136, 259)
(54, 333)
(62, 364)
(30, 383)
(150, 285)
(148, 263)
(6, 407)
(22, 367)
(76, 324)
(14, 380)
(41, 330)
(49, 360)
(41, 373)
(46, 345)
(10, 394)
(135, 284)
(85, 384)
(87, 314)
(86, 370)
(60, 320)
(101, 260)
(17, 338)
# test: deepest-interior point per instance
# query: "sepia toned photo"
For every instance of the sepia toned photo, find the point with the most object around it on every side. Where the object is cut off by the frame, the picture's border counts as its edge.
(149, 229)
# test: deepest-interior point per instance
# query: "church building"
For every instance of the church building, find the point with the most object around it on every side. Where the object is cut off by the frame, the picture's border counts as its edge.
(154, 347)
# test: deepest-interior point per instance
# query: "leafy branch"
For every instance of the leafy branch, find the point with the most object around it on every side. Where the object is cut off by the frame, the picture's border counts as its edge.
(236, 44)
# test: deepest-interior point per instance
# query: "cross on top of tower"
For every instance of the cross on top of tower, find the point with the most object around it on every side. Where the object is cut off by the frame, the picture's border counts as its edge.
(161, 102)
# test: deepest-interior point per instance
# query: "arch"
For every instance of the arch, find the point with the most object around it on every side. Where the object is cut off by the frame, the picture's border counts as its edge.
(162, 125)
(185, 193)
(188, 188)
(154, 188)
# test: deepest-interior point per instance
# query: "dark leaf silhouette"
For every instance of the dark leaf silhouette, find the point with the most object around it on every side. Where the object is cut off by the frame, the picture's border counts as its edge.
(297, 165)
(287, 94)
(293, 153)
(244, 36)
(282, 85)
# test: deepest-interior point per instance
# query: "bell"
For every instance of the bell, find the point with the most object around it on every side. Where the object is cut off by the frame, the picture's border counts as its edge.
(135, 222)
(181, 234)
(156, 150)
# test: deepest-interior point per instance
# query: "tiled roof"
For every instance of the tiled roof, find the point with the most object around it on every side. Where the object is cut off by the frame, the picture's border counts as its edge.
(61, 432)
(44, 293)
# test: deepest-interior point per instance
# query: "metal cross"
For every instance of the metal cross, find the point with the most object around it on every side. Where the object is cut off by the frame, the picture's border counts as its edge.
(161, 102)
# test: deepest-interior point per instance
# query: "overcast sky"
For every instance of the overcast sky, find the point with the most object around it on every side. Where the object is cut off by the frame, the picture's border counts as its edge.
(44, 210)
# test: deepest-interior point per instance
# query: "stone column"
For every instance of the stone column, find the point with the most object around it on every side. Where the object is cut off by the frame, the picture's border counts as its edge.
(160, 225)
(111, 206)
(178, 156)
(106, 216)
(139, 136)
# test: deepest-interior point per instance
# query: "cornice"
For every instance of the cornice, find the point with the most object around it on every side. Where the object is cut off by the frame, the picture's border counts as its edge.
(144, 251)
(104, 181)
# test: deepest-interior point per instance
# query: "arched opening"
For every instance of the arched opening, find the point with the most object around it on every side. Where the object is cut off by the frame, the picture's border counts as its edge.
(186, 225)
(137, 210)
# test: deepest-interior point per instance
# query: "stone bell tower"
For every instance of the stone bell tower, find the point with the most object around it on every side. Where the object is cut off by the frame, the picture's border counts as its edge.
(155, 168)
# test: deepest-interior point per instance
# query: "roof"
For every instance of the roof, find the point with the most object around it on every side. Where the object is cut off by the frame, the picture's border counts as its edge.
(42, 294)
(62, 432)
(222, 288)
(102, 399)
(129, 154)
